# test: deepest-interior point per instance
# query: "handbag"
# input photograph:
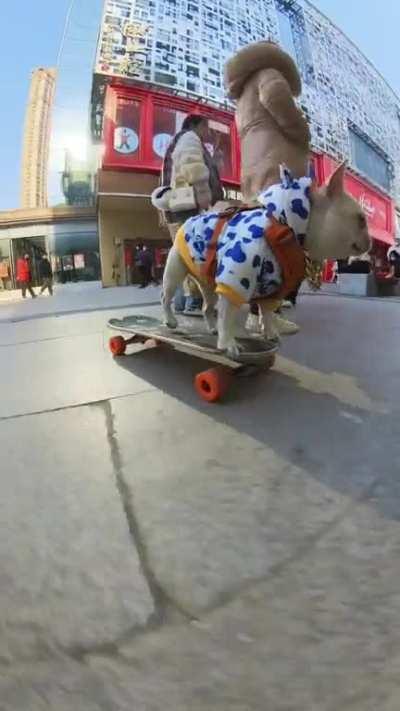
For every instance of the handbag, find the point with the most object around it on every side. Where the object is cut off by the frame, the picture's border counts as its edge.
(182, 199)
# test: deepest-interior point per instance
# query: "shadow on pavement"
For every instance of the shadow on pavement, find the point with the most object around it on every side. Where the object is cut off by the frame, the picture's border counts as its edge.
(351, 450)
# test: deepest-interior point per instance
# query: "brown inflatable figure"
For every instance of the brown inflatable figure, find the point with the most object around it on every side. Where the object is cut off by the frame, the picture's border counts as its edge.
(264, 80)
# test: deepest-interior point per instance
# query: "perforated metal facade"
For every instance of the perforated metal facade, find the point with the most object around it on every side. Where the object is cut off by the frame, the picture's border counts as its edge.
(183, 45)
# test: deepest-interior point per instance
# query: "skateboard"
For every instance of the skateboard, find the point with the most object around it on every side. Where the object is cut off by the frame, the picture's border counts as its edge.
(194, 340)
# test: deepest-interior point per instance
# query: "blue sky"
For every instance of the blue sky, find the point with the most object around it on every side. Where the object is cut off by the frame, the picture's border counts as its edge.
(30, 38)
(33, 39)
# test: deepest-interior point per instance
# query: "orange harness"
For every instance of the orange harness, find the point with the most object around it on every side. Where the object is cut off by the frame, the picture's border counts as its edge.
(280, 238)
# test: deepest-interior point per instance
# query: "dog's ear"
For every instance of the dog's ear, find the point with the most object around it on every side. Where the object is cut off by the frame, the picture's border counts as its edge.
(335, 184)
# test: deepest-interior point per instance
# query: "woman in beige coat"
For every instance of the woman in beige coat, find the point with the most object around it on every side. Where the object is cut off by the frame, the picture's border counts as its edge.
(188, 163)
(264, 82)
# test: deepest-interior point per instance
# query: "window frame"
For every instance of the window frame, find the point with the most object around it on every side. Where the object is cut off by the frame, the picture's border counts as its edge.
(143, 160)
(378, 153)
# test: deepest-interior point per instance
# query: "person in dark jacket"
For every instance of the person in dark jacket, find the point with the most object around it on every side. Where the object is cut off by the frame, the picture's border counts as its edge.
(46, 275)
(144, 262)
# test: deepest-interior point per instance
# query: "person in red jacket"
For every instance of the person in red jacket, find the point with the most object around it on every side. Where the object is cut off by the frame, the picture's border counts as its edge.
(24, 275)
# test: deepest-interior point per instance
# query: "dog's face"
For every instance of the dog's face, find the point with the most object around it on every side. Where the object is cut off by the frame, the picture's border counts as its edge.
(337, 226)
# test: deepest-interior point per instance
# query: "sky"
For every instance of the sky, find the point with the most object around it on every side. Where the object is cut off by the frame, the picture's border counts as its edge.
(34, 39)
(27, 42)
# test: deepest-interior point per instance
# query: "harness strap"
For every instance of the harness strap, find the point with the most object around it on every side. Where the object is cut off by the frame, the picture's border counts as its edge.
(289, 255)
(209, 267)
(282, 241)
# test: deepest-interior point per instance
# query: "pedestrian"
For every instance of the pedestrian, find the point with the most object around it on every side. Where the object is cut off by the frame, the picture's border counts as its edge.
(4, 273)
(158, 265)
(393, 257)
(144, 261)
(24, 275)
(46, 275)
(192, 174)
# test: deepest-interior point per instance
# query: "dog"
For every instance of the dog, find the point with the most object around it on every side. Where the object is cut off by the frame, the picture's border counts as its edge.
(326, 222)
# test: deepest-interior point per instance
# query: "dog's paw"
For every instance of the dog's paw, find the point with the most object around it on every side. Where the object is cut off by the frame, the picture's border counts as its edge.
(233, 350)
(171, 322)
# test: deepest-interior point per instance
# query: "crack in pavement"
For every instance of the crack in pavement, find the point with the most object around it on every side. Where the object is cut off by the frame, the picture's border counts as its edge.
(169, 612)
(302, 550)
(164, 604)
(74, 406)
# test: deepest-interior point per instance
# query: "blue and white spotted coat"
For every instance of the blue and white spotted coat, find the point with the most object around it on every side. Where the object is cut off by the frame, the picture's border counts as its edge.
(245, 262)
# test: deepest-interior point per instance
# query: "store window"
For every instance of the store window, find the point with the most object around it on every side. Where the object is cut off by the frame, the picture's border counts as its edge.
(167, 122)
(5, 264)
(127, 127)
(369, 160)
(151, 121)
(218, 142)
(75, 256)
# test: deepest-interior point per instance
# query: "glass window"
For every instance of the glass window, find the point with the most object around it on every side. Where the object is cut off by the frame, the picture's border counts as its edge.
(161, 78)
(294, 38)
(285, 31)
(127, 127)
(369, 160)
(4, 248)
(218, 142)
(167, 122)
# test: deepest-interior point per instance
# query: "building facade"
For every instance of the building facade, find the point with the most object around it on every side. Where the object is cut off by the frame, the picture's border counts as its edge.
(35, 152)
(183, 45)
(69, 235)
(158, 60)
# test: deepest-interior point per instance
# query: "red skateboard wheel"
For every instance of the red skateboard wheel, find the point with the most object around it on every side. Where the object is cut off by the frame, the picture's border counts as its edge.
(117, 345)
(212, 384)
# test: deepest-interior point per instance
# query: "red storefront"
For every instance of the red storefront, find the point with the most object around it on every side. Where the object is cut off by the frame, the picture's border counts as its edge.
(138, 127)
(378, 207)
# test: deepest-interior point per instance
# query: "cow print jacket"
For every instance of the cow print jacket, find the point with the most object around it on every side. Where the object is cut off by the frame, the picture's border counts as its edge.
(246, 266)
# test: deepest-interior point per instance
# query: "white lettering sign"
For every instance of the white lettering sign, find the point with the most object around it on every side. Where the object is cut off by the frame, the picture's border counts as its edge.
(366, 204)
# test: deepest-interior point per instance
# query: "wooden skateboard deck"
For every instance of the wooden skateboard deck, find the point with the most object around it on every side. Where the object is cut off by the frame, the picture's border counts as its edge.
(194, 340)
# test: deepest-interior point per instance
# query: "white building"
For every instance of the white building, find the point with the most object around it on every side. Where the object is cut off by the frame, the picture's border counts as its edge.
(35, 151)
(183, 45)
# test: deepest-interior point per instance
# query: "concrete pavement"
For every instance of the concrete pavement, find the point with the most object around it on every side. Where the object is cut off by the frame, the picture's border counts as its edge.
(73, 298)
(159, 553)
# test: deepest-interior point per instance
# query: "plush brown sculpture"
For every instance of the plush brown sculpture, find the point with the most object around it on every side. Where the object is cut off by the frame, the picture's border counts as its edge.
(264, 80)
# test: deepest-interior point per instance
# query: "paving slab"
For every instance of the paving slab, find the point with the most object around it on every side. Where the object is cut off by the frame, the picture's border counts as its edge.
(70, 573)
(72, 298)
(321, 634)
(61, 372)
(59, 685)
(216, 507)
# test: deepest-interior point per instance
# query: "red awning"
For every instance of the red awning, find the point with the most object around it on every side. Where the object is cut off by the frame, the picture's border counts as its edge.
(382, 236)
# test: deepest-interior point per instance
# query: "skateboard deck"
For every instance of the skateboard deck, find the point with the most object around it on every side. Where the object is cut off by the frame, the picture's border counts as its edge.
(192, 338)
